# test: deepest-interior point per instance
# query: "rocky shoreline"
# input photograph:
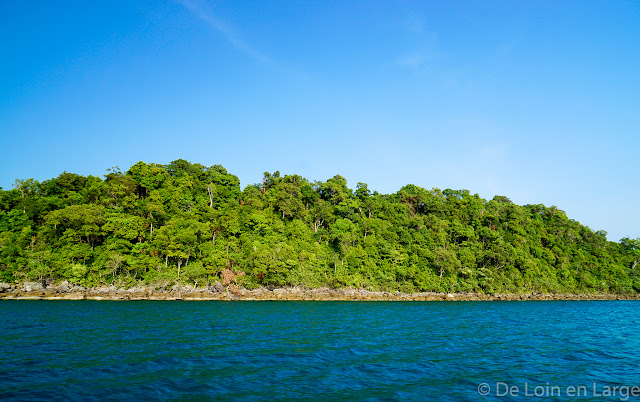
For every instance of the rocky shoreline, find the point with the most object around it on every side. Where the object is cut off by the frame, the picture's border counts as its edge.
(68, 291)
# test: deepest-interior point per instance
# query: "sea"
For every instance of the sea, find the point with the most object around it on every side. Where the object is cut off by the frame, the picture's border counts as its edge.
(65, 350)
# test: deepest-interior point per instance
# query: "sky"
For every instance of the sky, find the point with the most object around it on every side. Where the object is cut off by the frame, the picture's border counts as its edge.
(538, 101)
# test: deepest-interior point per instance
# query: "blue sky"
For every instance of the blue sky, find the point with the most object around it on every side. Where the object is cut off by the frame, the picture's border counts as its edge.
(535, 100)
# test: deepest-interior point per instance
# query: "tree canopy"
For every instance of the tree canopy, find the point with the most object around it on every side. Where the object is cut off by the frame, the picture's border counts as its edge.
(186, 222)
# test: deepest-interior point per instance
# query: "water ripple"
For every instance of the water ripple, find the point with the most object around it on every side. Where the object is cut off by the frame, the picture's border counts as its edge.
(376, 351)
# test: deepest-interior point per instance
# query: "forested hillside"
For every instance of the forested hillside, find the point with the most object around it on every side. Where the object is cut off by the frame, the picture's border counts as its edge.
(188, 223)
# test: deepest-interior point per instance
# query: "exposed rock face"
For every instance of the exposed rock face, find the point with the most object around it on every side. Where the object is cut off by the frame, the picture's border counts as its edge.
(32, 286)
(74, 296)
(187, 289)
(35, 290)
(217, 287)
(349, 292)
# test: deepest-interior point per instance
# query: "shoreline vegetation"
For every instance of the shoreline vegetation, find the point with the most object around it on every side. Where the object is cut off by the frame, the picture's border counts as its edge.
(186, 224)
(66, 291)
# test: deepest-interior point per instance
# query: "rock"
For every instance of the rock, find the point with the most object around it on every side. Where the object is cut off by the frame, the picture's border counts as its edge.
(74, 296)
(4, 287)
(218, 287)
(187, 289)
(32, 286)
(78, 288)
(64, 286)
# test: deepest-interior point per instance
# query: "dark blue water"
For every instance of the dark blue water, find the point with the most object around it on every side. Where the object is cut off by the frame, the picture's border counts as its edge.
(146, 350)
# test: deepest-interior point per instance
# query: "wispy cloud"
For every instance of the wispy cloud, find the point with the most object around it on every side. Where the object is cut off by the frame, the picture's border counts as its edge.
(413, 60)
(203, 11)
(423, 40)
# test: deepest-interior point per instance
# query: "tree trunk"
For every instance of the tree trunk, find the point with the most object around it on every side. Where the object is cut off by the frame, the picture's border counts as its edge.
(209, 190)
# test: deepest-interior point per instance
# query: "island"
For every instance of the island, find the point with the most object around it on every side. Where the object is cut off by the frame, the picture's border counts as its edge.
(185, 231)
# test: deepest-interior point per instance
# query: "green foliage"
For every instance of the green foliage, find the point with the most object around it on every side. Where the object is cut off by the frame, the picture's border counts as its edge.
(189, 223)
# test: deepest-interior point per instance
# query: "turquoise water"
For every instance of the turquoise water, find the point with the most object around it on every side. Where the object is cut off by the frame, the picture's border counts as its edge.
(146, 350)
